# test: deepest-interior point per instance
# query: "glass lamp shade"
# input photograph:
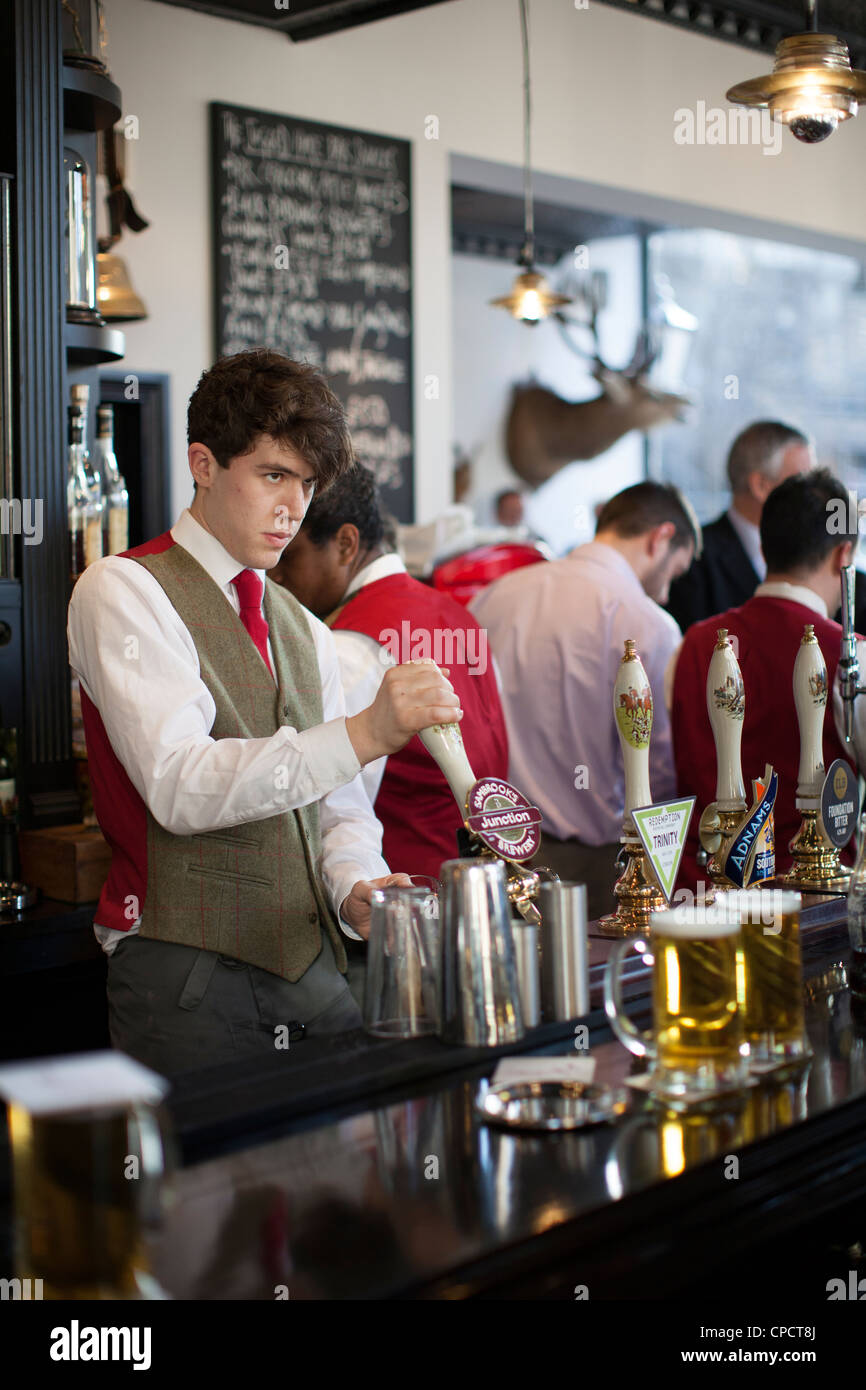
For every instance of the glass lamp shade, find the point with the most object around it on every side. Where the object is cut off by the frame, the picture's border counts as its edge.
(531, 298)
(811, 89)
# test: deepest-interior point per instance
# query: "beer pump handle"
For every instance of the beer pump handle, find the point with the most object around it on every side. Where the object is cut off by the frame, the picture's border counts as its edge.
(849, 666)
(726, 706)
(810, 700)
(444, 743)
(633, 712)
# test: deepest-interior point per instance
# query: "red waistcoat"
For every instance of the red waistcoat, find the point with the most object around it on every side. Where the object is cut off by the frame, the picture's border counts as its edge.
(768, 632)
(419, 815)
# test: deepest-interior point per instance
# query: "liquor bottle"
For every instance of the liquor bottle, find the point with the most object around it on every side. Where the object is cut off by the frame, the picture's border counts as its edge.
(9, 865)
(83, 499)
(115, 498)
(7, 772)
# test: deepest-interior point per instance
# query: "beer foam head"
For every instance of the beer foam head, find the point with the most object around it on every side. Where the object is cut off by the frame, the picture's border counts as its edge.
(694, 923)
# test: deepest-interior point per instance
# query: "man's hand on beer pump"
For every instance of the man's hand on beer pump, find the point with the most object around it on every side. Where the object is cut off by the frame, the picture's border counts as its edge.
(356, 907)
(410, 698)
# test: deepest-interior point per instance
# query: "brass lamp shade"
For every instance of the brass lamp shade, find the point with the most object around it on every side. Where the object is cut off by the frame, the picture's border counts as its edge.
(531, 298)
(115, 296)
(811, 89)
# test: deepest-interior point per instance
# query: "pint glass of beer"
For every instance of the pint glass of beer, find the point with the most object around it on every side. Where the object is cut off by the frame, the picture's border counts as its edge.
(771, 983)
(697, 1043)
(87, 1177)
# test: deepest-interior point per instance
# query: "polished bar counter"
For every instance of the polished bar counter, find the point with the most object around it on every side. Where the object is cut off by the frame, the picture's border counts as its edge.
(357, 1168)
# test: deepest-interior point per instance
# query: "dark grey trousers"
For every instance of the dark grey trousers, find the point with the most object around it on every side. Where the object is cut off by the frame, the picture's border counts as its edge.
(594, 865)
(176, 1008)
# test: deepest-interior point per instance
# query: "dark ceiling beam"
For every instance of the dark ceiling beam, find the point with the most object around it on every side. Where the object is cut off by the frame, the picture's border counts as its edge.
(756, 24)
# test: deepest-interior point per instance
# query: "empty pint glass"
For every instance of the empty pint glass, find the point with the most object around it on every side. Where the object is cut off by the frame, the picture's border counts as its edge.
(696, 1044)
(401, 991)
(771, 985)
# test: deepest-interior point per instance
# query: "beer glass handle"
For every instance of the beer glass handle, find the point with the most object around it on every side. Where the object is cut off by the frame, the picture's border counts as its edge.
(151, 1150)
(640, 1044)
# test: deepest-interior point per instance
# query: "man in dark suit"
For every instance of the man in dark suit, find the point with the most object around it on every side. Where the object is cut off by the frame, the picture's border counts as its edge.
(732, 565)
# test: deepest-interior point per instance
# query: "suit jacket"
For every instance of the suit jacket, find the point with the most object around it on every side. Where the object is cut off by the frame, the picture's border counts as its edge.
(722, 578)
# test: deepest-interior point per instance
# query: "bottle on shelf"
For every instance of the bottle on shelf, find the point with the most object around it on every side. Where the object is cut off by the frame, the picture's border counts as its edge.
(9, 869)
(115, 498)
(83, 491)
(8, 801)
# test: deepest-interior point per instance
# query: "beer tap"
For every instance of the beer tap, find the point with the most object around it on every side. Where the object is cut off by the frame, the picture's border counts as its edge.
(636, 891)
(728, 819)
(849, 666)
(816, 867)
(499, 821)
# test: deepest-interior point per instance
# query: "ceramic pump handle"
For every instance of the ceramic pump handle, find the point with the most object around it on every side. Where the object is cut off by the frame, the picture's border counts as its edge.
(444, 743)
(810, 699)
(633, 712)
(726, 705)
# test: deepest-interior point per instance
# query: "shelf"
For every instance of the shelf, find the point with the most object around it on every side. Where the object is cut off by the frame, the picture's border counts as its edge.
(87, 346)
(90, 101)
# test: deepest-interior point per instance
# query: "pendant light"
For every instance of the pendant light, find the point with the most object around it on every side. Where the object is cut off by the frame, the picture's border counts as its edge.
(812, 86)
(531, 298)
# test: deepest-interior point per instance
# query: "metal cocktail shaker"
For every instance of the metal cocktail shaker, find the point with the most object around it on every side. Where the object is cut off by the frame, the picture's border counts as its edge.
(480, 998)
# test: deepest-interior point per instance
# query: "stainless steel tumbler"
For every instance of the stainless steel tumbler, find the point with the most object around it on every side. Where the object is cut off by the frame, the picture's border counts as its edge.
(528, 970)
(480, 1004)
(564, 951)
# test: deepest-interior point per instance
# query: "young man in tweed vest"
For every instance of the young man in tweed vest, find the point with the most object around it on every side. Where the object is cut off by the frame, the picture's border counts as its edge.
(225, 772)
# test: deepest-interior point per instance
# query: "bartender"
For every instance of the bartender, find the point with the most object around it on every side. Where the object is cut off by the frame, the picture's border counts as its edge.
(225, 772)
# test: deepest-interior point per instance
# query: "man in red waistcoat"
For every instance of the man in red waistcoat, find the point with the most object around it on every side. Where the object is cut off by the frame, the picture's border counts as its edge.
(806, 537)
(341, 568)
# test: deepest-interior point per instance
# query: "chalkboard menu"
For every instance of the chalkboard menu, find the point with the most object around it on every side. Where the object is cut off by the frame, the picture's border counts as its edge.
(312, 255)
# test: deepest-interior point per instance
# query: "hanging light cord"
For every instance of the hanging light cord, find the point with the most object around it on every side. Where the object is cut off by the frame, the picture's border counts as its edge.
(812, 15)
(527, 254)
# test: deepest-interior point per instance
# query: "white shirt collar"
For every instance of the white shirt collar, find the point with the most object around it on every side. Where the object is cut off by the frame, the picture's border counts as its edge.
(794, 593)
(210, 553)
(600, 553)
(380, 568)
(750, 539)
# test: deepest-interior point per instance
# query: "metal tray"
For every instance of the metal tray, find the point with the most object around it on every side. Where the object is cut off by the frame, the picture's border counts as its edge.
(550, 1105)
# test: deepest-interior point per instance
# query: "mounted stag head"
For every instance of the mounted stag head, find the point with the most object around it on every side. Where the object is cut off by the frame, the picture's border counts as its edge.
(543, 432)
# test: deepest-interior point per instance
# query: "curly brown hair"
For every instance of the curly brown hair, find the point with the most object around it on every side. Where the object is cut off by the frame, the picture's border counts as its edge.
(262, 392)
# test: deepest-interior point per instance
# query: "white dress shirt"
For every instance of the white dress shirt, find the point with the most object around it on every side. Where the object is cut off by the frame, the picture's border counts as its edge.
(750, 539)
(558, 632)
(137, 662)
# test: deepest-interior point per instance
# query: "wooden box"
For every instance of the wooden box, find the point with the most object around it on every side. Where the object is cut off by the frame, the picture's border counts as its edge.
(68, 862)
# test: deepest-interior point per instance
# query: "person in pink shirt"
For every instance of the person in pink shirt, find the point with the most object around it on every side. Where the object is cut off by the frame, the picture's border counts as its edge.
(557, 631)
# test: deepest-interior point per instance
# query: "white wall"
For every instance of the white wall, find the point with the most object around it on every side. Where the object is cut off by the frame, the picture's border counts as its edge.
(606, 86)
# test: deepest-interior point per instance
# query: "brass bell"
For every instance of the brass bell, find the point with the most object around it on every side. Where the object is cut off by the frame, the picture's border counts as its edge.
(115, 296)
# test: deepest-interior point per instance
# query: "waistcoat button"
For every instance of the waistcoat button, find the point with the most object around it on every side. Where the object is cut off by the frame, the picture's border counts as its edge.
(314, 916)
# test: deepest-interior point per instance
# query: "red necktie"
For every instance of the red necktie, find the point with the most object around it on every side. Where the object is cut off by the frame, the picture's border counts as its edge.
(249, 590)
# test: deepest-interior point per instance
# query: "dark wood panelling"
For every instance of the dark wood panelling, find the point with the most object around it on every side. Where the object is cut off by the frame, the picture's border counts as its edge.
(46, 772)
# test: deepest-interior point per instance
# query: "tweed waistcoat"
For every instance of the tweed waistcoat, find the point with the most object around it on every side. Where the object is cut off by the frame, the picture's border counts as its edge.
(250, 891)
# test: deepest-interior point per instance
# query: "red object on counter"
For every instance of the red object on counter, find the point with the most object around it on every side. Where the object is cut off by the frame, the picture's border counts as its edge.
(464, 576)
